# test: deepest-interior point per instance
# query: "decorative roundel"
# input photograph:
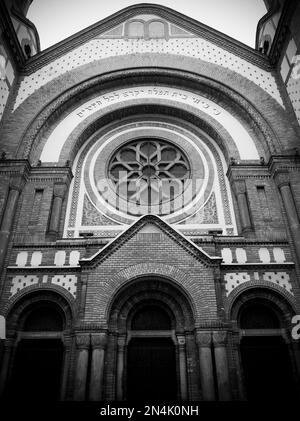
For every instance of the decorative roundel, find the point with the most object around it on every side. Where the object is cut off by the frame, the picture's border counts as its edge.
(144, 170)
(148, 167)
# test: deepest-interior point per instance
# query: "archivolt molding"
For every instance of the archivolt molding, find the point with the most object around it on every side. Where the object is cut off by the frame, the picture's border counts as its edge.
(115, 128)
(199, 84)
(273, 293)
(164, 111)
(154, 286)
(15, 307)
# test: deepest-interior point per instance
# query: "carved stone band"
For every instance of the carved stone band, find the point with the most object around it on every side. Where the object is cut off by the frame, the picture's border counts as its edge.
(99, 340)
(83, 341)
(203, 339)
(219, 338)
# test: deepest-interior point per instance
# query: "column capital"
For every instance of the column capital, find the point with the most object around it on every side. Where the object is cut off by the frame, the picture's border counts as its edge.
(83, 340)
(281, 178)
(238, 186)
(99, 340)
(203, 339)
(121, 341)
(219, 338)
(17, 182)
(59, 190)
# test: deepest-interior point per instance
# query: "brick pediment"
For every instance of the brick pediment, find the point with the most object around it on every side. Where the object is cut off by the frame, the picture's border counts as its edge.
(151, 237)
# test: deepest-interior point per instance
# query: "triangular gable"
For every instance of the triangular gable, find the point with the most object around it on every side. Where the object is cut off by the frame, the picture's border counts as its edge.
(147, 26)
(150, 224)
(180, 26)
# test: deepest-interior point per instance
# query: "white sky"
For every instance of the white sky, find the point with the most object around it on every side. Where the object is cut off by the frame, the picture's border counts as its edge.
(58, 19)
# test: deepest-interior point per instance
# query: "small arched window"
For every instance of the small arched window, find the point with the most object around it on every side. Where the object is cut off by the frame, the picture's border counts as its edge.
(135, 29)
(151, 317)
(156, 29)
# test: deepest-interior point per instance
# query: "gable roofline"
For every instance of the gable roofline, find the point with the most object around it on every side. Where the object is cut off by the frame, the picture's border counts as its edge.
(199, 29)
(133, 229)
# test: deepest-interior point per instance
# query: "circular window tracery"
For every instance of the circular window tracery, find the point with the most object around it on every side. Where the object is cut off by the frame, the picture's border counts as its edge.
(149, 171)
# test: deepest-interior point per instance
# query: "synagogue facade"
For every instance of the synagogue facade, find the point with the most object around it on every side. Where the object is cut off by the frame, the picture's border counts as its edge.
(150, 205)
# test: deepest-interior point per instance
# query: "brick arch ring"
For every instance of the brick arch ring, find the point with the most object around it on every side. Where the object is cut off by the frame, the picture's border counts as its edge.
(14, 309)
(276, 295)
(60, 104)
(150, 282)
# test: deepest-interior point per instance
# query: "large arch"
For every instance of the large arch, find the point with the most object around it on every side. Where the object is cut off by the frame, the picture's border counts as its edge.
(136, 296)
(232, 101)
(36, 363)
(267, 355)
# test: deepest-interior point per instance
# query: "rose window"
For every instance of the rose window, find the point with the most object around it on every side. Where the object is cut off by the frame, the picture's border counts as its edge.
(149, 172)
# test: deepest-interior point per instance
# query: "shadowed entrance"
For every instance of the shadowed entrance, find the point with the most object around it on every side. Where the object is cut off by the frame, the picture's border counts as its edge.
(37, 368)
(151, 363)
(151, 372)
(267, 365)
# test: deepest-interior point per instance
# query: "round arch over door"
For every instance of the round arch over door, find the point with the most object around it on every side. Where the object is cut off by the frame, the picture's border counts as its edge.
(151, 325)
(151, 356)
(267, 364)
(38, 363)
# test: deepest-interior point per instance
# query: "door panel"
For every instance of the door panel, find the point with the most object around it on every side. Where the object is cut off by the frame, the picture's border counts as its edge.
(151, 370)
(37, 370)
(267, 369)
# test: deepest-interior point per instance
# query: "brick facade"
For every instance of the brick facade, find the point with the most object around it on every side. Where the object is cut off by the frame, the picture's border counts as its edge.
(98, 272)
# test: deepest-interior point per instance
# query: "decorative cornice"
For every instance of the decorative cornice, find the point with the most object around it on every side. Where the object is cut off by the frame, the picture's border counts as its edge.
(247, 170)
(15, 166)
(283, 163)
(56, 269)
(257, 265)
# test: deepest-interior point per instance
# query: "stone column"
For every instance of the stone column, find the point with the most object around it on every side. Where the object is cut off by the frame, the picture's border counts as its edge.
(282, 181)
(83, 344)
(206, 367)
(8, 348)
(66, 365)
(59, 192)
(8, 215)
(120, 367)
(99, 342)
(219, 340)
(238, 369)
(182, 368)
(239, 188)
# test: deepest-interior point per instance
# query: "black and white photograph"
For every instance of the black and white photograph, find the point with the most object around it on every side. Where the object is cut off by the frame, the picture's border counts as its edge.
(149, 208)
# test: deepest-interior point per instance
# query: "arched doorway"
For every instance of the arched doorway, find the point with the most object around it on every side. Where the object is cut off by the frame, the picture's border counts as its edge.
(37, 364)
(151, 357)
(151, 345)
(265, 356)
